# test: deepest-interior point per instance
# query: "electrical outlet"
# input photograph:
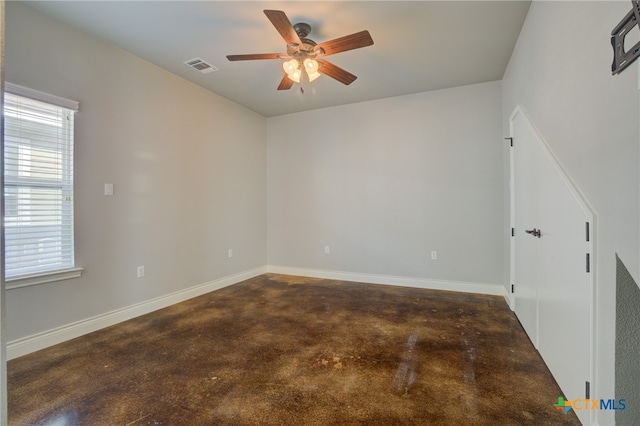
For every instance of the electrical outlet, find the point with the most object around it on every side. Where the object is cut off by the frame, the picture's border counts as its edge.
(434, 255)
(230, 253)
(140, 271)
(326, 250)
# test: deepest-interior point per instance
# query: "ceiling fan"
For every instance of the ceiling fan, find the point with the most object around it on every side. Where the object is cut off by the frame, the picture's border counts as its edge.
(304, 52)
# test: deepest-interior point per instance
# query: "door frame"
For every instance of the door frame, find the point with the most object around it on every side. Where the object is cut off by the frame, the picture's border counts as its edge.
(592, 245)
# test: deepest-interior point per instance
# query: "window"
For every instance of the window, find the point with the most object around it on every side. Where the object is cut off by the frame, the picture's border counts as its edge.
(38, 184)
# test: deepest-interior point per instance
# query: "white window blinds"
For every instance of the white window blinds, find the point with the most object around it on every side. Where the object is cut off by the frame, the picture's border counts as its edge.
(38, 185)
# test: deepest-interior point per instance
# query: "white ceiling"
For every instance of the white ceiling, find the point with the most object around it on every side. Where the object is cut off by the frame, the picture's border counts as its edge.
(418, 45)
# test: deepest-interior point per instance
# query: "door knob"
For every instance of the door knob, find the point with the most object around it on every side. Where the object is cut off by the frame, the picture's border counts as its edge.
(535, 232)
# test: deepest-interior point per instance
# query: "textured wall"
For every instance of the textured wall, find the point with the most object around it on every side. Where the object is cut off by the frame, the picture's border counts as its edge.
(627, 346)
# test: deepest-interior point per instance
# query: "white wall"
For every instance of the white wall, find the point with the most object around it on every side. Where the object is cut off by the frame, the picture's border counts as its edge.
(188, 167)
(560, 74)
(385, 182)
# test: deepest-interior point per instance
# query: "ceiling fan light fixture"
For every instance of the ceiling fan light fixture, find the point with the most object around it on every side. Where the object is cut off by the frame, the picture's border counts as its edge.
(311, 65)
(295, 75)
(290, 66)
(313, 76)
(302, 49)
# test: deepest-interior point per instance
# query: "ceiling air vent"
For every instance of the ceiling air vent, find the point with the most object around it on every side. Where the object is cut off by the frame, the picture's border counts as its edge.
(200, 65)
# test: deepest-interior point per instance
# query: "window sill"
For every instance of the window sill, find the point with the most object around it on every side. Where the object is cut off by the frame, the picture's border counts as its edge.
(42, 278)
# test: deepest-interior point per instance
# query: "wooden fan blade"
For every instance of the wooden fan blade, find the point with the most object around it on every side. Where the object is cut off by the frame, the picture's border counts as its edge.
(251, 57)
(279, 20)
(350, 42)
(334, 71)
(285, 83)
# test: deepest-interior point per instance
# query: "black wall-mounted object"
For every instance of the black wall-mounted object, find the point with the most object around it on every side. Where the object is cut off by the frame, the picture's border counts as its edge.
(621, 58)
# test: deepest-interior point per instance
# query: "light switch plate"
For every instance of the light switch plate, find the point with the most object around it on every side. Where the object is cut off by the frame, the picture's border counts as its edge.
(108, 189)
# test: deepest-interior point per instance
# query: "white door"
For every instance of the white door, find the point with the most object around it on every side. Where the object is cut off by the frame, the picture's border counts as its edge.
(554, 269)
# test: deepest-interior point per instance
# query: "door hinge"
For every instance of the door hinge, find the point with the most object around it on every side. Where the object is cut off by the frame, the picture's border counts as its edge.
(587, 390)
(510, 141)
(587, 231)
(513, 232)
(513, 288)
(588, 263)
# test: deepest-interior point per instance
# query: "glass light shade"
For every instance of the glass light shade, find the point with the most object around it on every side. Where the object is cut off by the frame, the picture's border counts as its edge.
(295, 75)
(311, 65)
(290, 66)
(313, 76)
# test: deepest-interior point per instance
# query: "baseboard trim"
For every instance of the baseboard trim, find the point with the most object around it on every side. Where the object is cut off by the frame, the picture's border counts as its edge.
(459, 286)
(36, 342)
(507, 297)
(66, 332)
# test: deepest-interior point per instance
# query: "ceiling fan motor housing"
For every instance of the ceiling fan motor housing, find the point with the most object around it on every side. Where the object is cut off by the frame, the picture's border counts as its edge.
(308, 49)
(302, 29)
